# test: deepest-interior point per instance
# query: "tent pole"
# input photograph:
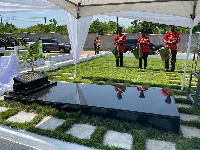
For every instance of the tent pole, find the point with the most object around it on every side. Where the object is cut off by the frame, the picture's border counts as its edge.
(186, 61)
(76, 48)
(77, 17)
(189, 43)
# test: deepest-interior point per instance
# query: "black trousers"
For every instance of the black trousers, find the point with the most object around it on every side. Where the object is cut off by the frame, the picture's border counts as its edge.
(145, 55)
(121, 59)
(173, 60)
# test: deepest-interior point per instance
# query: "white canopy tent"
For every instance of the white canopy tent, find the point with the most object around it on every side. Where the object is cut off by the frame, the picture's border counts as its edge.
(79, 14)
(183, 13)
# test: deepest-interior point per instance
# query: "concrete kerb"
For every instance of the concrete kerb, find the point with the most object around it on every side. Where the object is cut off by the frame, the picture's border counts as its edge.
(37, 141)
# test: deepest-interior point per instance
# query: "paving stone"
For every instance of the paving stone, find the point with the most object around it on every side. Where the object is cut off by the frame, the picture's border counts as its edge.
(66, 73)
(159, 145)
(156, 87)
(87, 79)
(50, 123)
(56, 76)
(102, 81)
(183, 105)
(3, 109)
(71, 77)
(172, 80)
(180, 96)
(63, 82)
(118, 139)
(190, 132)
(82, 131)
(186, 117)
(22, 117)
(173, 84)
(119, 83)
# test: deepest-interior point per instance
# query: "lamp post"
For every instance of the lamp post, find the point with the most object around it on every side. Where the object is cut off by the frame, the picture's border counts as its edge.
(45, 20)
(117, 25)
(1, 19)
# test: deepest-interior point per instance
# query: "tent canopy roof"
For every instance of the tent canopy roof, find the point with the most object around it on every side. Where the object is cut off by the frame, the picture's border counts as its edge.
(182, 8)
(158, 11)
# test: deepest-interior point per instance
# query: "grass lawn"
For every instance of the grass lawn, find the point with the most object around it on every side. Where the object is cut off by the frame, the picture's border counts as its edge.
(103, 71)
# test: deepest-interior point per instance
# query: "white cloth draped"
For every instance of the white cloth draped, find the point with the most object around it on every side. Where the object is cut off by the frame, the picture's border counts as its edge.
(78, 31)
(8, 70)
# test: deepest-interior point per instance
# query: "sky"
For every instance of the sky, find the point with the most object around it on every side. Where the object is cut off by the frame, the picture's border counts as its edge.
(26, 19)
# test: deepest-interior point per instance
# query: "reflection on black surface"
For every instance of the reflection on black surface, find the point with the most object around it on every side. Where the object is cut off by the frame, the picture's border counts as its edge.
(142, 91)
(79, 97)
(120, 90)
(103, 96)
(167, 93)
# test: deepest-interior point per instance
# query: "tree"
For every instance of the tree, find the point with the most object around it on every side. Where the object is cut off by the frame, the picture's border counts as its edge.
(33, 54)
(103, 28)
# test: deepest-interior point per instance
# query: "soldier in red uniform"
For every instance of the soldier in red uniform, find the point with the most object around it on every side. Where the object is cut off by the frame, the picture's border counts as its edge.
(144, 42)
(119, 40)
(120, 90)
(171, 39)
(167, 93)
(142, 91)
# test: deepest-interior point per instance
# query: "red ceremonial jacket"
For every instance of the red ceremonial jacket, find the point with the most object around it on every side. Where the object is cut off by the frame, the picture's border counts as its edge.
(166, 92)
(120, 46)
(142, 89)
(122, 89)
(171, 36)
(147, 43)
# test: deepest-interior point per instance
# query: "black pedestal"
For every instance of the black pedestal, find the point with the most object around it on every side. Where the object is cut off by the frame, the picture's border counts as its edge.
(30, 83)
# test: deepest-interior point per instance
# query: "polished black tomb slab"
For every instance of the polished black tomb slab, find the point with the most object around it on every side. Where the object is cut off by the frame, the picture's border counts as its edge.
(150, 107)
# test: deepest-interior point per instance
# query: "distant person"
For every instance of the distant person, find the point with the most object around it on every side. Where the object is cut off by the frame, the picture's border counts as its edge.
(142, 91)
(97, 45)
(120, 90)
(171, 39)
(144, 43)
(167, 93)
(119, 40)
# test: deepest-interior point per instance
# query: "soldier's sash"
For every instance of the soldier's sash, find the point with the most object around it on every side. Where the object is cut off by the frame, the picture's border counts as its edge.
(137, 52)
(165, 53)
(115, 52)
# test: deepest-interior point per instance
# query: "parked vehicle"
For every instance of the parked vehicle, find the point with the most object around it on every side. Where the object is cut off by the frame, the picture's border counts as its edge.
(155, 48)
(2, 42)
(132, 43)
(54, 45)
(25, 40)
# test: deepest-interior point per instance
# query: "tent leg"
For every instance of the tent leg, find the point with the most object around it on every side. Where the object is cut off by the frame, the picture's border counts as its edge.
(76, 48)
(188, 50)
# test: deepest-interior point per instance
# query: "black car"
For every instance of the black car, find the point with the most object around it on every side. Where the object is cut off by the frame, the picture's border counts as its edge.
(2, 42)
(54, 45)
(132, 43)
(154, 49)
